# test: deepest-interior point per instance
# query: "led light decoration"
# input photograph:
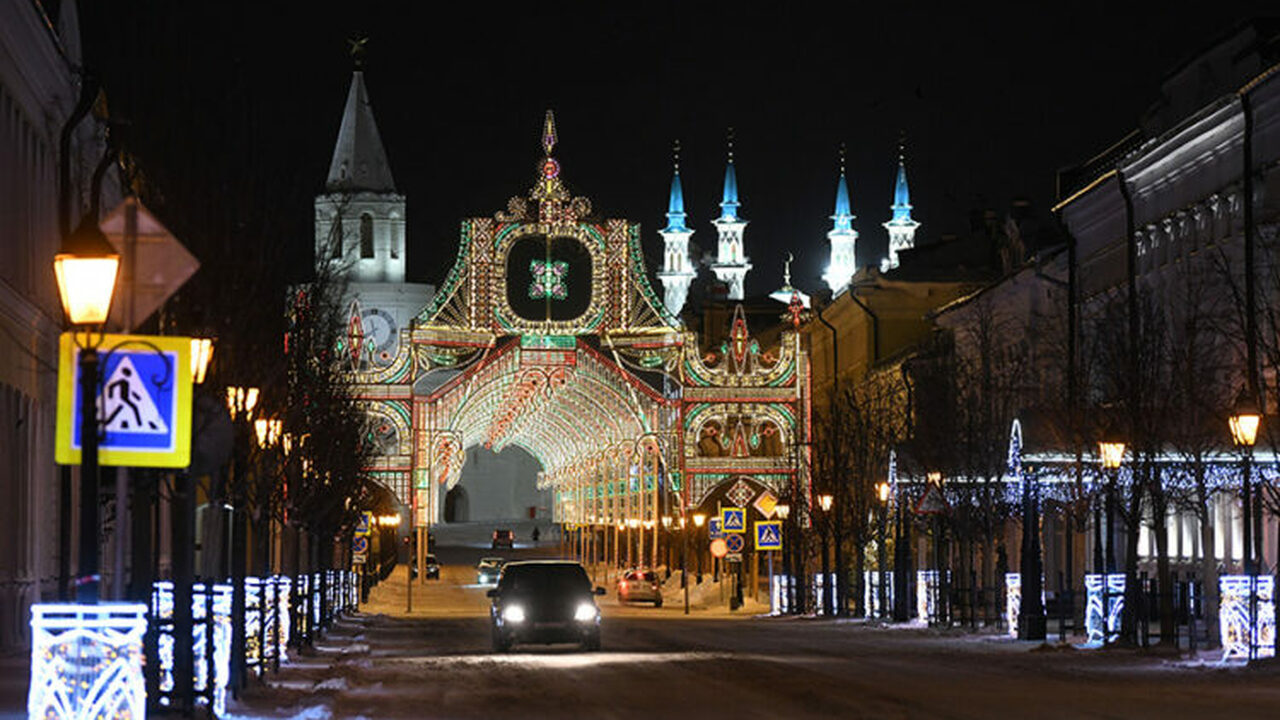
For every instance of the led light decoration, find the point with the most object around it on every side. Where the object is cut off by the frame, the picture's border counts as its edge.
(1104, 607)
(284, 610)
(253, 624)
(1013, 600)
(927, 589)
(548, 279)
(514, 380)
(86, 661)
(871, 594)
(1234, 626)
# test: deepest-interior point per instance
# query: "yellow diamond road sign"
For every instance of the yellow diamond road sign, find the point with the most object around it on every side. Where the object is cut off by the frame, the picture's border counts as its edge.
(766, 504)
(143, 400)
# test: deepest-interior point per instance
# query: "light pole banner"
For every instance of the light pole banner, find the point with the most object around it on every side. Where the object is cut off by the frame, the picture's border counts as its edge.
(144, 401)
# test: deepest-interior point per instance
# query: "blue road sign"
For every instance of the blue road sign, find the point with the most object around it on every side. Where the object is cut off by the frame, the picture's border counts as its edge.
(734, 542)
(713, 526)
(365, 524)
(360, 545)
(734, 519)
(144, 401)
(769, 535)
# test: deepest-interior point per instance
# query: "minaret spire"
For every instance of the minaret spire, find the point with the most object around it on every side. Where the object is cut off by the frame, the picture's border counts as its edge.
(677, 271)
(901, 226)
(731, 265)
(842, 236)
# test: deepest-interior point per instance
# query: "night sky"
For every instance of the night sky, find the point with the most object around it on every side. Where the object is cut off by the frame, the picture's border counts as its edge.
(234, 95)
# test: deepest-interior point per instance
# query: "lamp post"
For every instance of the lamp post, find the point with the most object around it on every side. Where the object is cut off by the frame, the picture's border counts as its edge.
(1111, 451)
(824, 502)
(784, 512)
(882, 555)
(699, 519)
(1244, 421)
(241, 402)
(86, 269)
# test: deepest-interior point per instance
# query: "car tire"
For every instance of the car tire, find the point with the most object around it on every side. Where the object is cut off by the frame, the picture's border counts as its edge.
(592, 643)
(657, 603)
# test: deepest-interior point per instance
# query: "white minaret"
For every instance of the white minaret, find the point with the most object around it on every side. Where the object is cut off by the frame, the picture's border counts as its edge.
(731, 265)
(843, 238)
(360, 217)
(677, 271)
(901, 227)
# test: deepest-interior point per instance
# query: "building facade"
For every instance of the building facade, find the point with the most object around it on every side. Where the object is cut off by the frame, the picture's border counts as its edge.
(39, 88)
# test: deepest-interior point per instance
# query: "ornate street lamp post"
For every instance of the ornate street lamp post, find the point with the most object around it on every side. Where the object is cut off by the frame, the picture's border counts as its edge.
(1244, 422)
(824, 502)
(1111, 452)
(699, 519)
(882, 491)
(86, 270)
(788, 591)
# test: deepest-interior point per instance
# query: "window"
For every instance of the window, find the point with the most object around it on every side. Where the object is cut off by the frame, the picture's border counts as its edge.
(335, 238)
(366, 235)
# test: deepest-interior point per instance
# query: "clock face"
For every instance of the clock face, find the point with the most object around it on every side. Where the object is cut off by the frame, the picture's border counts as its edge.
(381, 339)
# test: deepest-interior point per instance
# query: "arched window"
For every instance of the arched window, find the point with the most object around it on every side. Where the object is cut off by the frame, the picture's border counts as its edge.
(335, 238)
(366, 235)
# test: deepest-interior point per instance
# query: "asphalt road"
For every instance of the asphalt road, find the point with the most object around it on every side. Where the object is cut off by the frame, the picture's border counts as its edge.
(659, 663)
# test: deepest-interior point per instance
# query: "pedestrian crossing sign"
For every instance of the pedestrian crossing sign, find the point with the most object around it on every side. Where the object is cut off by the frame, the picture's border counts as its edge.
(733, 520)
(143, 401)
(768, 535)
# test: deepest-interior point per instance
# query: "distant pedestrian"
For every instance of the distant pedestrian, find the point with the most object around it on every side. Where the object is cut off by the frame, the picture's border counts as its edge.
(535, 533)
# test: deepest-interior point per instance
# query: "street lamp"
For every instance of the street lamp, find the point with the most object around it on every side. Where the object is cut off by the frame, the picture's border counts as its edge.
(699, 519)
(1244, 421)
(824, 502)
(784, 511)
(201, 356)
(1111, 451)
(86, 269)
(882, 559)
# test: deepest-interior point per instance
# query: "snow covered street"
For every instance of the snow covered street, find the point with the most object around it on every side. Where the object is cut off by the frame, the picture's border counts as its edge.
(658, 663)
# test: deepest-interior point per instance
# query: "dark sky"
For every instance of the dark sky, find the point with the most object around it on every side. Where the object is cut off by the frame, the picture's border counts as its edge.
(235, 95)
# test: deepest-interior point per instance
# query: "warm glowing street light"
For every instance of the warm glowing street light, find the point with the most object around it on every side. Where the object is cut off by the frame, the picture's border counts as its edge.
(1244, 420)
(699, 519)
(882, 489)
(1111, 452)
(86, 269)
(783, 510)
(824, 502)
(201, 356)
(241, 401)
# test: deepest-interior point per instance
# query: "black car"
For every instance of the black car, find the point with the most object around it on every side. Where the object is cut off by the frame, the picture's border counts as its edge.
(433, 568)
(544, 601)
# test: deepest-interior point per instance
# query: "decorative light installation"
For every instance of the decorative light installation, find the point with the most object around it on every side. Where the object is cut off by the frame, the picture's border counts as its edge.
(548, 279)
(253, 623)
(871, 595)
(86, 661)
(284, 595)
(1237, 632)
(1013, 600)
(927, 593)
(221, 624)
(1103, 607)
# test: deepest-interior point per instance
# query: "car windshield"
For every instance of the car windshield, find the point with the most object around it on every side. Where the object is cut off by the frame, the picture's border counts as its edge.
(546, 579)
(431, 558)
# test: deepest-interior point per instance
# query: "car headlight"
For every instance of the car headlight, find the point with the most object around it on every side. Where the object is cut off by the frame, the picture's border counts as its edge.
(586, 612)
(513, 614)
